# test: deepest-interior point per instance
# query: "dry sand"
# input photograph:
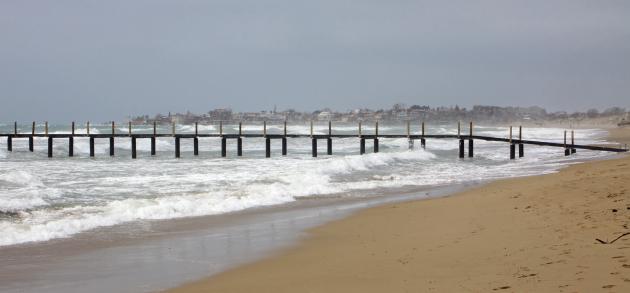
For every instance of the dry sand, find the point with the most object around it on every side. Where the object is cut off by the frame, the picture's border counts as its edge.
(534, 234)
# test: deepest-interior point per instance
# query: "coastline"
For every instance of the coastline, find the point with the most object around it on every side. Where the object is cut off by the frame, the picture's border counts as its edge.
(523, 234)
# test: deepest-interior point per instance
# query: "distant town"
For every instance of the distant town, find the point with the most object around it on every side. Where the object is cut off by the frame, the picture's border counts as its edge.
(397, 113)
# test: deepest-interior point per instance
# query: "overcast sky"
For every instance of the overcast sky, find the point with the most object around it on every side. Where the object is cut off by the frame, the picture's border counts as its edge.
(85, 59)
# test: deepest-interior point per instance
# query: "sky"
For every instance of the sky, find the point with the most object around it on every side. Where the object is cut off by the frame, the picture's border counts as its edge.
(63, 60)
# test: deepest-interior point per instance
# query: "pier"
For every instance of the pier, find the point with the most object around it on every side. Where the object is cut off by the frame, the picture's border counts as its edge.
(513, 142)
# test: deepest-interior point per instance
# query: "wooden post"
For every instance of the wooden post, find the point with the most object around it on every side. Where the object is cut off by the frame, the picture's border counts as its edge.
(573, 150)
(284, 146)
(88, 127)
(113, 128)
(512, 147)
(311, 128)
(376, 129)
(72, 127)
(71, 146)
(362, 146)
(129, 128)
(461, 148)
(9, 143)
(240, 128)
(50, 146)
(314, 147)
(285, 129)
(111, 146)
(239, 146)
(459, 128)
(46, 128)
(176, 146)
(521, 146)
(91, 146)
(221, 128)
(196, 128)
(133, 147)
(267, 147)
(376, 144)
(223, 146)
(360, 134)
(153, 145)
(265, 128)
(329, 145)
(15, 127)
(408, 128)
(31, 138)
(471, 147)
(196, 146)
(153, 138)
(567, 151)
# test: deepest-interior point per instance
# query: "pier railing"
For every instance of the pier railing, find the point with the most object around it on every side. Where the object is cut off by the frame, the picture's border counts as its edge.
(569, 146)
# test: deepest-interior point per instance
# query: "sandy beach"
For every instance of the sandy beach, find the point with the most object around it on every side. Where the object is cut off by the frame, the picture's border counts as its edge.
(533, 234)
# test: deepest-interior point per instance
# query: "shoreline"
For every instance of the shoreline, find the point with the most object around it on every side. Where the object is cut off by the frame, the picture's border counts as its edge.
(532, 233)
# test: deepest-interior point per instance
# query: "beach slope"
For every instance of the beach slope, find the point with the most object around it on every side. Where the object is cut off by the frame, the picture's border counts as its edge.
(534, 234)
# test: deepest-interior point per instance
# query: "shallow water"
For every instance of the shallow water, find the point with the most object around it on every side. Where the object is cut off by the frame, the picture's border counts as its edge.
(43, 199)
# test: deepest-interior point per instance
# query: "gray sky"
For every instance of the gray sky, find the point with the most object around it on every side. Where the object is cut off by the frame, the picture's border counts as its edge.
(64, 60)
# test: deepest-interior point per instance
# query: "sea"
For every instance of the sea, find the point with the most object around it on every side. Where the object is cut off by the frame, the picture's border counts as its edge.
(43, 198)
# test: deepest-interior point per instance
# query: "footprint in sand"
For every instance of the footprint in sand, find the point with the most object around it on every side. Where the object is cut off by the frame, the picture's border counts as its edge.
(608, 286)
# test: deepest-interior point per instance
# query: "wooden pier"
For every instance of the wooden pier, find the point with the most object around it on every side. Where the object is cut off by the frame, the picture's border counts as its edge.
(569, 146)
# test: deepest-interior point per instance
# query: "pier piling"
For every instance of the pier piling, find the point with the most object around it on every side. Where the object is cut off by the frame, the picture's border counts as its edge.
(71, 146)
(284, 146)
(376, 145)
(30, 139)
(133, 147)
(512, 147)
(423, 142)
(573, 150)
(362, 146)
(223, 147)
(314, 147)
(91, 146)
(196, 146)
(567, 151)
(176, 146)
(461, 148)
(267, 147)
(50, 146)
(329, 146)
(153, 138)
(111, 146)
(239, 146)
(471, 146)
(521, 146)
(9, 143)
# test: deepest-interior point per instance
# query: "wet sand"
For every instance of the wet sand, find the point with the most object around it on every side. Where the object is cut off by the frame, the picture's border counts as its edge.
(533, 234)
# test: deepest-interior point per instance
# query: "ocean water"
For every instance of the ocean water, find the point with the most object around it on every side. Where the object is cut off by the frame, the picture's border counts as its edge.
(43, 199)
